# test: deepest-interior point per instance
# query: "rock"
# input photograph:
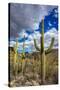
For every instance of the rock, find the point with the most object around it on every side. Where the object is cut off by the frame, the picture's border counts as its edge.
(28, 83)
(34, 83)
(29, 75)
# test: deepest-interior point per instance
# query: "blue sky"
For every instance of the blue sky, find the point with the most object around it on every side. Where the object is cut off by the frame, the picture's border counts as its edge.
(26, 20)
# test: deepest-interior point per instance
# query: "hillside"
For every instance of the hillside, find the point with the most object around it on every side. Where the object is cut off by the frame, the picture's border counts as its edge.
(32, 69)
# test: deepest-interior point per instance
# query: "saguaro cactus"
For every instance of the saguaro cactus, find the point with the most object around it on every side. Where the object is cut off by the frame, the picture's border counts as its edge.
(23, 56)
(15, 57)
(43, 52)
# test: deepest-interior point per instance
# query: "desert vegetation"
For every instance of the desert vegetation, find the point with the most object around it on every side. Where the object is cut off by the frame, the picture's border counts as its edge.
(31, 74)
(36, 68)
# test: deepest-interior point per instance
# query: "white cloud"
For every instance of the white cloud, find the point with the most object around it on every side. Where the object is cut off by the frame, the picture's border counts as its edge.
(30, 37)
(52, 32)
(56, 10)
(23, 33)
(50, 23)
(12, 43)
(56, 13)
(36, 35)
(29, 43)
(48, 36)
(35, 25)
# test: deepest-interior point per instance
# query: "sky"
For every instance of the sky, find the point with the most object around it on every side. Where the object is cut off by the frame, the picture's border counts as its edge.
(25, 20)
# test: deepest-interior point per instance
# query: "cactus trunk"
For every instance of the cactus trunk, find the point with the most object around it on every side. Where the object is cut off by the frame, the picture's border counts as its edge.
(42, 55)
(23, 57)
(43, 68)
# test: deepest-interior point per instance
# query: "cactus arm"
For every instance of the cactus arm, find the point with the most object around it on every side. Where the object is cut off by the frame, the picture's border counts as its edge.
(50, 47)
(37, 48)
(42, 36)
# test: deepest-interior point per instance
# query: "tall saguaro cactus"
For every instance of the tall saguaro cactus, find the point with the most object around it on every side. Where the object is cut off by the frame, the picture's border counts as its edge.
(43, 52)
(15, 57)
(23, 56)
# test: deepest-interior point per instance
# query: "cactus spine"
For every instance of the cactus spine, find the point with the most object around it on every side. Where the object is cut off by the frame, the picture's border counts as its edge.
(43, 52)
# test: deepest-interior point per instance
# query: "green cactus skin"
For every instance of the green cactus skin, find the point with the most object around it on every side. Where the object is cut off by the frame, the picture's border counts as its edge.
(43, 52)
